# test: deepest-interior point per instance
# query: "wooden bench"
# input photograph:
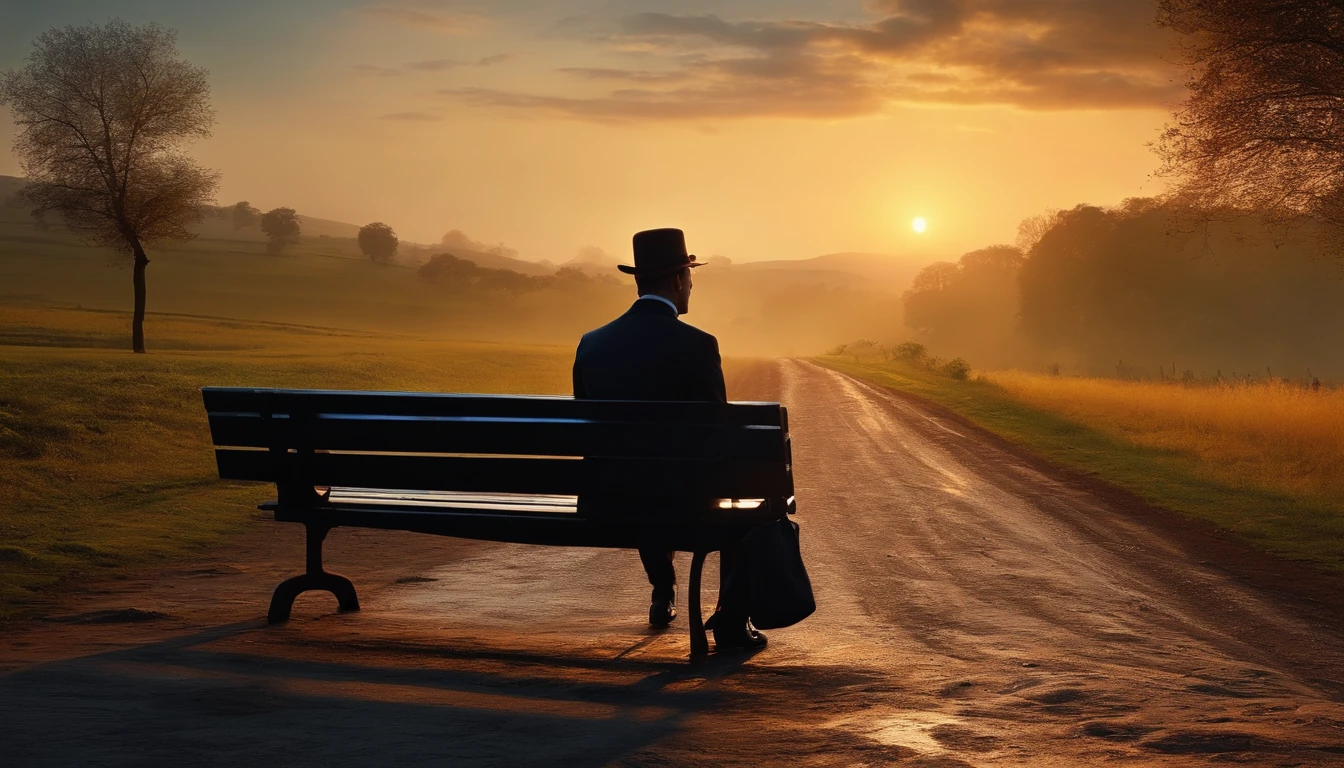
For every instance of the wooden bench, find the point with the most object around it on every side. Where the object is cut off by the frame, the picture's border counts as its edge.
(690, 477)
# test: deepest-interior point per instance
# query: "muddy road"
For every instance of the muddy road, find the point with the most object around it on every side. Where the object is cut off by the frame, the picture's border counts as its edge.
(977, 607)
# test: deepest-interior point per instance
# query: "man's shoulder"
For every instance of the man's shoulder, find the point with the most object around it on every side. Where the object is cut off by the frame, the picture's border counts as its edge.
(701, 336)
(648, 327)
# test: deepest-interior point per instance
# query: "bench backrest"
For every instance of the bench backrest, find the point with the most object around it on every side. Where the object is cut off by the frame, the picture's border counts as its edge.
(500, 443)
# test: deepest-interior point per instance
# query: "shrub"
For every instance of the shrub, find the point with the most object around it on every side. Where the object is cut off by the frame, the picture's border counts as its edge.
(957, 368)
(911, 352)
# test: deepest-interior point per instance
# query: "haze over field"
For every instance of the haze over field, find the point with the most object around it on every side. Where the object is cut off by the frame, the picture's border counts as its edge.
(977, 176)
(764, 308)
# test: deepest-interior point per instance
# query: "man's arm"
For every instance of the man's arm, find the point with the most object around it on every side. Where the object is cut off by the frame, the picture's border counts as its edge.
(580, 393)
(711, 377)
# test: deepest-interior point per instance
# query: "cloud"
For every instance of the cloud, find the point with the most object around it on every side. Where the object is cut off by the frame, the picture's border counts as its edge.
(432, 65)
(411, 117)
(626, 75)
(424, 17)
(1029, 54)
(436, 65)
(371, 70)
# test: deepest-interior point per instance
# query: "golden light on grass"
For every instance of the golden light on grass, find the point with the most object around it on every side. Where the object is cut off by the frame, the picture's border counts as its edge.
(1270, 434)
(919, 225)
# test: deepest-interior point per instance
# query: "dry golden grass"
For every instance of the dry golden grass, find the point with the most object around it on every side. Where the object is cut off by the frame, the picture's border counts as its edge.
(1264, 461)
(1271, 435)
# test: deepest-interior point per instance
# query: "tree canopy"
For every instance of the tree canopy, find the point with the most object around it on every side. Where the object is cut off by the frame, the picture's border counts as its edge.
(1262, 127)
(282, 226)
(378, 242)
(244, 215)
(102, 112)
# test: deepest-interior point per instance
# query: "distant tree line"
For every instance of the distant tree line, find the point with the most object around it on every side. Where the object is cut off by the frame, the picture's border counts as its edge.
(1115, 291)
(463, 277)
(283, 228)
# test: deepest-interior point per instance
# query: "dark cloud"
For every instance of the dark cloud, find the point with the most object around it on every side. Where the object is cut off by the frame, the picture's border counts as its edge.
(725, 101)
(1031, 54)
(498, 58)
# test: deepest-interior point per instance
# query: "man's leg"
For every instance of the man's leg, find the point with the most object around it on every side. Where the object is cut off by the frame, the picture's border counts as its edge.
(732, 628)
(734, 586)
(663, 577)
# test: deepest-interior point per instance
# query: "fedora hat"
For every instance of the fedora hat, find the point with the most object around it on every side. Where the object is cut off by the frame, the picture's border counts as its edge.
(660, 252)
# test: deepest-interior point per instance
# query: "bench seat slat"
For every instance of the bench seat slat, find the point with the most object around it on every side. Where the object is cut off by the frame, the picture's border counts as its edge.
(696, 477)
(280, 401)
(538, 528)
(549, 505)
(536, 438)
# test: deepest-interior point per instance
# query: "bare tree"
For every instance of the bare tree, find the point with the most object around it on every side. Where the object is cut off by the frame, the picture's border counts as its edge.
(1262, 128)
(102, 111)
(378, 242)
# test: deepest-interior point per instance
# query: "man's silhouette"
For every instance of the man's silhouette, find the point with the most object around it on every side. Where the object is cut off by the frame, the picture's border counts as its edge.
(648, 354)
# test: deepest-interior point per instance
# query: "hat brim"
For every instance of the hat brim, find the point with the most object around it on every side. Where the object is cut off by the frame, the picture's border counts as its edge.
(629, 270)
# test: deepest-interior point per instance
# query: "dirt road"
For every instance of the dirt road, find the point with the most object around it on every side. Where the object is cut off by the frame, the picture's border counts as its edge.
(977, 608)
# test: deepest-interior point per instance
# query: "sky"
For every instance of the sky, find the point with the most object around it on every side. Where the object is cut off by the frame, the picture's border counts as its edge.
(766, 130)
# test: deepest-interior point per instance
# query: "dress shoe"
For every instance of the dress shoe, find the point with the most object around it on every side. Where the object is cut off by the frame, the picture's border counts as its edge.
(662, 612)
(737, 637)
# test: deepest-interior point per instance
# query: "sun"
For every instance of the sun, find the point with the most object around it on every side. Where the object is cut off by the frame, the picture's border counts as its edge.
(919, 225)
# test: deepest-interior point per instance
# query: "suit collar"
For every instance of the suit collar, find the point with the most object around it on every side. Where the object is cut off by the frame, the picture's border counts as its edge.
(650, 303)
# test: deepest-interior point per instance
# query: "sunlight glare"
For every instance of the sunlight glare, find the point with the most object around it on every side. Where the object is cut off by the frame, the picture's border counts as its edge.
(919, 224)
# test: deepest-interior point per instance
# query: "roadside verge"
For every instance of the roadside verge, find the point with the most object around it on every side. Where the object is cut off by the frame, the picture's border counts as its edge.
(1304, 526)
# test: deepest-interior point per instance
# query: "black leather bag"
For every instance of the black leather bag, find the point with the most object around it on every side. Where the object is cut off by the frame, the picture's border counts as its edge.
(781, 593)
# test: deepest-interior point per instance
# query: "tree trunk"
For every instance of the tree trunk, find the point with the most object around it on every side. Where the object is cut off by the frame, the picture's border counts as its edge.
(138, 278)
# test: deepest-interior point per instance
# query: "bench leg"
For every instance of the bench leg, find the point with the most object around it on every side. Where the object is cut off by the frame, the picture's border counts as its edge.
(699, 643)
(282, 602)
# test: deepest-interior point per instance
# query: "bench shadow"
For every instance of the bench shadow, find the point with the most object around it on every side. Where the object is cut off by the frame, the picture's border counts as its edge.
(239, 694)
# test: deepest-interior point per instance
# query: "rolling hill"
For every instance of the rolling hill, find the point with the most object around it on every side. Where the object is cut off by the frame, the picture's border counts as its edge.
(761, 308)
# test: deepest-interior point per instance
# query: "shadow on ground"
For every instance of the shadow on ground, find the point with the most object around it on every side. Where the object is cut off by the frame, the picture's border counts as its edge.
(239, 694)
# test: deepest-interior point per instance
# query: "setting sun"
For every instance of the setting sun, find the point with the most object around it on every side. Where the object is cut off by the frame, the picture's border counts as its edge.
(919, 224)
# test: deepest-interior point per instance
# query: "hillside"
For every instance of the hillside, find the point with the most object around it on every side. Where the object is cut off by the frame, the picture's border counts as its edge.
(889, 271)
(332, 238)
(767, 308)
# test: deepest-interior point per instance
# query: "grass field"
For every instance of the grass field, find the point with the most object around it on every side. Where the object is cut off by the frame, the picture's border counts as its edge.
(105, 456)
(319, 282)
(1265, 461)
(322, 281)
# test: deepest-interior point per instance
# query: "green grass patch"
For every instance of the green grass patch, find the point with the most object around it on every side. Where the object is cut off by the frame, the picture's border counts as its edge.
(105, 456)
(1306, 526)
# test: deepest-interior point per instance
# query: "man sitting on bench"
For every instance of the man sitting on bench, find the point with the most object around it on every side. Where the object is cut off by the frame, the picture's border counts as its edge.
(648, 354)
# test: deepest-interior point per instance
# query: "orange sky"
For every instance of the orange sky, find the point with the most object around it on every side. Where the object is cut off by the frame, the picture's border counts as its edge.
(765, 130)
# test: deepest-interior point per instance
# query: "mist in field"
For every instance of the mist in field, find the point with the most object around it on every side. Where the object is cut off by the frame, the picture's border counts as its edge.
(457, 288)
(1139, 290)
(1144, 289)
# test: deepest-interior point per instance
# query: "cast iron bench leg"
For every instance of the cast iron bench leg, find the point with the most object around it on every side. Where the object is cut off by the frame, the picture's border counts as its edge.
(699, 643)
(282, 602)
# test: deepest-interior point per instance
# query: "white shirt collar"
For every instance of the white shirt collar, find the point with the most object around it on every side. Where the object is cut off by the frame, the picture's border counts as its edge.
(666, 301)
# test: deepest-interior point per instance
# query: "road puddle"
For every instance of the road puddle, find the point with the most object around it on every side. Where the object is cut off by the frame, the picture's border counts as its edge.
(912, 729)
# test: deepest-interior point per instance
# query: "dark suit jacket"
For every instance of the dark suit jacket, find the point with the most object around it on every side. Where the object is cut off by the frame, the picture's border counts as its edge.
(648, 354)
